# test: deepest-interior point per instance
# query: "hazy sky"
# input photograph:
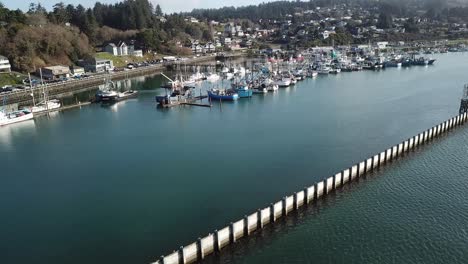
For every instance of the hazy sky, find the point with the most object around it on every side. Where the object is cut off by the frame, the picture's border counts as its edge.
(168, 6)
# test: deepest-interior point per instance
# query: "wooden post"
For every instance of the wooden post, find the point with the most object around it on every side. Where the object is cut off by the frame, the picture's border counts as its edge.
(259, 219)
(306, 196)
(272, 213)
(246, 226)
(216, 246)
(181, 255)
(200, 253)
(232, 237)
(295, 201)
(285, 212)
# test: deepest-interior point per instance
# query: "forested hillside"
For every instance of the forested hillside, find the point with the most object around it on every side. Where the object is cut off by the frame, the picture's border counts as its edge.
(67, 33)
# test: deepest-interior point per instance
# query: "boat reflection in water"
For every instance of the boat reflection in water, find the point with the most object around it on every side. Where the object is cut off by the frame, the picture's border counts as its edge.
(9, 133)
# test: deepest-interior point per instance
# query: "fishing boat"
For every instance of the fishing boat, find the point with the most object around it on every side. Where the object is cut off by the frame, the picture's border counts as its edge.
(243, 90)
(15, 117)
(174, 98)
(324, 69)
(46, 106)
(107, 96)
(212, 77)
(420, 62)
(272, 87)
(312, 74)
(222, 95)
(106, 93)
(335, 70)
(126, 95)
(283, 82)
(392, 64)
(260, 90)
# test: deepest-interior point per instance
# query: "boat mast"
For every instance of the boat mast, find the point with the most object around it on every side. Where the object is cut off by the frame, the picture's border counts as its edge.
(30, 86)
(44, 91)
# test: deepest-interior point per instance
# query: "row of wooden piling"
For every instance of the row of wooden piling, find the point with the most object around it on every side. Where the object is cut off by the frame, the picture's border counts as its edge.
(216, 241)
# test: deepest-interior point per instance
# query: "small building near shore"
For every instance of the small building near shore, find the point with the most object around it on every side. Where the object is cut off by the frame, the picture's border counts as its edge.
(4, 64)
(77, 71)
(98, 65)
(55, 72)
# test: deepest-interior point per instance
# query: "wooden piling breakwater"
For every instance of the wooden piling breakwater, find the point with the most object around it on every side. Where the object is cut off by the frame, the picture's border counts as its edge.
(256, 221)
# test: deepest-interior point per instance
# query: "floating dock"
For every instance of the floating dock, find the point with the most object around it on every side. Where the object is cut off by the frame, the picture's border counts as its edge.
(187, 101)
(66, 107)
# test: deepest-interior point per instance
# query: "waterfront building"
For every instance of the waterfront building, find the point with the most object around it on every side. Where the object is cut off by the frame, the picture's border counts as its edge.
(4, 64)
(98, 65)
(55, 72)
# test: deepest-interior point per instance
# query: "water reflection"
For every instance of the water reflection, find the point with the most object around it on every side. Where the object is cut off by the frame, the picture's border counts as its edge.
(10, 132)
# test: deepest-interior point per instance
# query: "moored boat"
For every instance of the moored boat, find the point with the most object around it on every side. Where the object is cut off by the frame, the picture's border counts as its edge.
(46, 106)
(15, 117)
(222, 95)
(283, 82)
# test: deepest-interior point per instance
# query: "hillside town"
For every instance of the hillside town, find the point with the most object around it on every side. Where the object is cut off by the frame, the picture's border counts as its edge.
(308, 25)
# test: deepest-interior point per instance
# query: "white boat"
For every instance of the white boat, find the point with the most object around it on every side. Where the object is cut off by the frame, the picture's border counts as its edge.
(312, 74)
(225, 69)
(324, 69)
(229, 75)
(272, 87)
(260, 90)
(212, 77)
(15, 117)
(196, 77)
(46, 106)
(283, 82)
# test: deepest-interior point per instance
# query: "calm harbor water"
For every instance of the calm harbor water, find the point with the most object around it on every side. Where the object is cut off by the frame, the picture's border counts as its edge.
(127, 183)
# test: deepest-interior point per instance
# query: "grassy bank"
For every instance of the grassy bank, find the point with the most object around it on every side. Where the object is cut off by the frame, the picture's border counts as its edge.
(122, 61)
(12, 78)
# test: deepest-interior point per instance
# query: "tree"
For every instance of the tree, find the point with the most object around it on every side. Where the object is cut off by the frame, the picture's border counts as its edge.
(385, 21)
(158, 10)
(60, 14)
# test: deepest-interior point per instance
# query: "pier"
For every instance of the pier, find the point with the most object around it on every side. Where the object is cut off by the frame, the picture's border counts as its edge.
(256, 221)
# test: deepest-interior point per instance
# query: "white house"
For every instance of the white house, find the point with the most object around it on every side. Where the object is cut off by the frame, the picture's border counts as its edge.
(137, 53)
(122, 49)
(111, 48)
(117, 50)
(209, 47)
(4, 64)
(382, 44)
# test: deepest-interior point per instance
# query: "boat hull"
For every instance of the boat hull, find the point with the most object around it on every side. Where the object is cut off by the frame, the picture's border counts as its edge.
(216, 97)
(9, 121)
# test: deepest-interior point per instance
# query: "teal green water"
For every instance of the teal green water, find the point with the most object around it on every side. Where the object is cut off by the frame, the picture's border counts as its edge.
(128, 183)
(413, 211)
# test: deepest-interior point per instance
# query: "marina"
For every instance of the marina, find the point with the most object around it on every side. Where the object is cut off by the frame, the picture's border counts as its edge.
(167, 205)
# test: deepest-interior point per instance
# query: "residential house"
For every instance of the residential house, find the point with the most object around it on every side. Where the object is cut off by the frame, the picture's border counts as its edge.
(122, 49)
(112, 49)
(133, 52)
(137, 53)
(55, 72)
(209, 47)
(226, 41)
(197, 49)
(4, 64)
